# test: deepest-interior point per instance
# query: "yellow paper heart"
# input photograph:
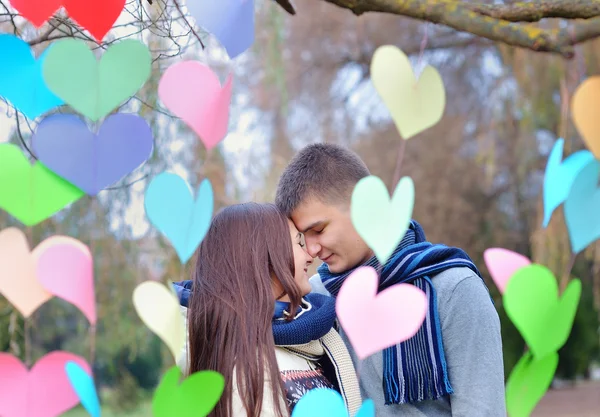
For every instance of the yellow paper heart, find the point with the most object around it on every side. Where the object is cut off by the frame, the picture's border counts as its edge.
(18, 279)
(414, 105)
(584, 110)
(158, 307)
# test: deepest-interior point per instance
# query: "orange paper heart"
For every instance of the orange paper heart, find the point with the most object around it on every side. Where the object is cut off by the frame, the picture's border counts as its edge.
(584, 110)
(18, 279)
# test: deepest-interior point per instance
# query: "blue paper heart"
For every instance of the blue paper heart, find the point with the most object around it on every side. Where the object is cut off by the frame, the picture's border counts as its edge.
(83, 385)
(90, 161)
(323, 402)
(21, 80)
(230, 21)
(560, 175)
(171, 208)
(582, 208)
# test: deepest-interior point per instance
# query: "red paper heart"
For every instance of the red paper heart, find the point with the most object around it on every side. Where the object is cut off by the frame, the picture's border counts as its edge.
(36, 11)
(43, 391)
(98, 17)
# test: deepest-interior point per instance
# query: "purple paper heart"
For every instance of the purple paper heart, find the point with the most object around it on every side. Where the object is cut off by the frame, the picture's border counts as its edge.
(92, 162)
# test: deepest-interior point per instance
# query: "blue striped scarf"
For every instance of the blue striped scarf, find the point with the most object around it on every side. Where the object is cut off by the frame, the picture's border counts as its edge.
(414, 370)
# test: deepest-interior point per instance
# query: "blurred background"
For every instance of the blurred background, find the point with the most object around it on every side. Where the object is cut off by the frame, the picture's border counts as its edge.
(478, 173)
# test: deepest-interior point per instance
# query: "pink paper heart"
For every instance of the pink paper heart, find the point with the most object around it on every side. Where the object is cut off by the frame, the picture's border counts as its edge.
(65, 268)
(43, 391)
(502, 264)
(192, 91)
(374, 322)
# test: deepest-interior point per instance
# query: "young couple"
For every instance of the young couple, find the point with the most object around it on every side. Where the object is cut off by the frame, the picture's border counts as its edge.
(254, 316)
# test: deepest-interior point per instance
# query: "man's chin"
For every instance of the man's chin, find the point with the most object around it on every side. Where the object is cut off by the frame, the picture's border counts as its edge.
(334, 268)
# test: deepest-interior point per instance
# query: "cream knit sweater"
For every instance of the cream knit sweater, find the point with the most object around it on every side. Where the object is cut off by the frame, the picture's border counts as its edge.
(295, 359)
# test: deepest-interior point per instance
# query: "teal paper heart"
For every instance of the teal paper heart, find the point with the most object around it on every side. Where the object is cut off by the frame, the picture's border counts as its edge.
(21, 80)
(94, 88)
(382, 222)
(559, 176)
(324, 402)
(171, 208)
(582, 208)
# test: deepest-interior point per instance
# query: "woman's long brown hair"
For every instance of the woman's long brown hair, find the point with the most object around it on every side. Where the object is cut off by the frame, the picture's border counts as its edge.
(232, 304)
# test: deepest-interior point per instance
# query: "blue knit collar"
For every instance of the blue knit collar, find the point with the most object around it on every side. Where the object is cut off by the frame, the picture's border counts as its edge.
(282, 309)
(315, 320)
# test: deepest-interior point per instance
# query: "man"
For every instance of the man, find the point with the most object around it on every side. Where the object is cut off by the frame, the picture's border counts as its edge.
(453, 366)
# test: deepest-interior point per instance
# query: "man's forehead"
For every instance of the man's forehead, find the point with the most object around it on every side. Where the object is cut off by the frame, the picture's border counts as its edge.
(306, 226)
(306, 217)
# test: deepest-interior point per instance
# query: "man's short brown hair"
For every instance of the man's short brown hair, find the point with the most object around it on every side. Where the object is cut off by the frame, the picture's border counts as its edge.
(324, 171)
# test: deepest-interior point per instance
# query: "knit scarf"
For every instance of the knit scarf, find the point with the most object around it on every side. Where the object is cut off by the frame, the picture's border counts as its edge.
(311, 335)
(414, 370)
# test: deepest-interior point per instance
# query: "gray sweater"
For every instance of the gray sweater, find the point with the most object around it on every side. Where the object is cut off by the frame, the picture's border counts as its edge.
(473, 349)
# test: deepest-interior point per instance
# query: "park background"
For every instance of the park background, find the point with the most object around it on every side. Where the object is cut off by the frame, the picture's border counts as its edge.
(478, 173)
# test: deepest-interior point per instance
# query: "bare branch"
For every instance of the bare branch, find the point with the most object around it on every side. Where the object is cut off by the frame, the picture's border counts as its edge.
(497, 22)
(534, 11)
(188, 23)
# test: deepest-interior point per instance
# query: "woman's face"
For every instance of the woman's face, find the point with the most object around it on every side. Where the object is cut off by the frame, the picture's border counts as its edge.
(301, 260)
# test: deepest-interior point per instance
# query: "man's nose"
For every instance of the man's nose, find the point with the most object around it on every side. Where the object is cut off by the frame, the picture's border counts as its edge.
(312, 247)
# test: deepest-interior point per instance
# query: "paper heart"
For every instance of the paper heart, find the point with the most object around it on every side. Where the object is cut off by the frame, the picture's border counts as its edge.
(31, 193)
(414, 105)
(528, 382)
(64, 267)
(380, 222)
(91, 161)
(36, 11)
(582, 207)
(18, 280)
(94, 88)
(230, 21)
(158, 307)
(97, 17)
(324, 402)
(374, 322)
(560, 175)
(43, 391)
(531, 302)
(502, 264)
(83, 385)
(171, 208)
(586, 100)
(195, 397)
(21, 80)
(192, 91)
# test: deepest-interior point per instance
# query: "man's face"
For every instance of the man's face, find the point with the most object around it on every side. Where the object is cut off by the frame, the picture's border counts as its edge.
(330, 235)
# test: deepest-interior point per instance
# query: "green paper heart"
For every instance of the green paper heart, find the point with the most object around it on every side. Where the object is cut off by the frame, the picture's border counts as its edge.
(531, 301)
(195, 397)
(528, 382)
(382, 222)
(94, 88)
(31, 193)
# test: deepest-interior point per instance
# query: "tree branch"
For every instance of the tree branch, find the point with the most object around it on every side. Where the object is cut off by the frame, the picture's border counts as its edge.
(498, 22)
(534, 11)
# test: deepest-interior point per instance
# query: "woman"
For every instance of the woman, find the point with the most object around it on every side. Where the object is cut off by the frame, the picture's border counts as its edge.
(251, 317)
